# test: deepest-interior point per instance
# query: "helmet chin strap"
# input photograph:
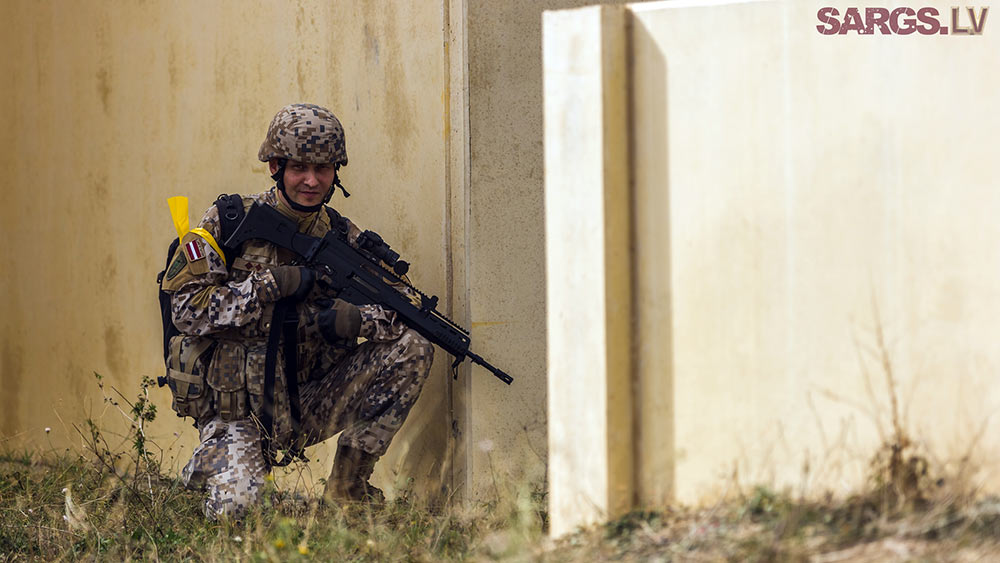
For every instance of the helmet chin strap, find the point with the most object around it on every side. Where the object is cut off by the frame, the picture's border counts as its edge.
(336, 184)
(279, 179)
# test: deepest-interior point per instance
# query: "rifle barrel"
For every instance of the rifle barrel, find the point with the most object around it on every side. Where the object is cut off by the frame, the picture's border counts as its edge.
(499, 373)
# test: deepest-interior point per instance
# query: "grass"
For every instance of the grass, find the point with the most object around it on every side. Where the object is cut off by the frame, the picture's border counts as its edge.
(112, 501)
(159, 519)
(119, 517)
(775, 526)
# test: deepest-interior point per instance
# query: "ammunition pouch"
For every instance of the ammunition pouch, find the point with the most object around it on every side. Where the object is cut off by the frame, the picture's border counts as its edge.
(227, 378)
(213, 376)
(209, 376)
(255, 376)
(187, 364)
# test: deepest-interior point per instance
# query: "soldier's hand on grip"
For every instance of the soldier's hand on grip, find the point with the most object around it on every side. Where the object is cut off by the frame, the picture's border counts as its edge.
(293, 281)
(342, 321)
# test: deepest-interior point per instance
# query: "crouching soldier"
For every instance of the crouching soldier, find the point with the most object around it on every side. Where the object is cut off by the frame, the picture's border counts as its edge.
(264, 361)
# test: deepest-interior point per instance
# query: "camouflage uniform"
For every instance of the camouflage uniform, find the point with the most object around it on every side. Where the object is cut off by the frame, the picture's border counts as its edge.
(365, 390)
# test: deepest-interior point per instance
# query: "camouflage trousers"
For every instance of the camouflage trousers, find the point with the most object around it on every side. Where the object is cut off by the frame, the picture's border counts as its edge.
(366, 396)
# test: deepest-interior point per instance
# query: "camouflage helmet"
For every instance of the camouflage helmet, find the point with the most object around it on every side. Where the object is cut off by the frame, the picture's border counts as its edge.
(305, 133)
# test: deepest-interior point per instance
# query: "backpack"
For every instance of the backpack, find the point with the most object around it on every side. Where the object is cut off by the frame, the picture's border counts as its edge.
(231, 212)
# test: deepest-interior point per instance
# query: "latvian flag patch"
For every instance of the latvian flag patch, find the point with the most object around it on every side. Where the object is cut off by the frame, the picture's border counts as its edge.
(193, 251)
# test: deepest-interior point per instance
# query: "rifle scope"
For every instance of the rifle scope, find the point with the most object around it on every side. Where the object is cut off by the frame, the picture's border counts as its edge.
(371, 242)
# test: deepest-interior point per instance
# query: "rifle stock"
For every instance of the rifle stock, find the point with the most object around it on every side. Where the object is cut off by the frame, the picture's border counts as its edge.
(361, 280)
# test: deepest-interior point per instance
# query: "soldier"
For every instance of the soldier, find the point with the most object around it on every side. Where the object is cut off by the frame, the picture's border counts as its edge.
(218, 366)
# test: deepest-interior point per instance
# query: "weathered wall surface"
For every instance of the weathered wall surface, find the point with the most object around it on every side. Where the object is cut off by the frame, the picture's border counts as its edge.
(842, 190)
(110, 108)
(798, 198)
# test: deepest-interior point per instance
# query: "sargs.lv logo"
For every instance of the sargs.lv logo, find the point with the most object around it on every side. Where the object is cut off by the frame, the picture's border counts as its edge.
(901, 21)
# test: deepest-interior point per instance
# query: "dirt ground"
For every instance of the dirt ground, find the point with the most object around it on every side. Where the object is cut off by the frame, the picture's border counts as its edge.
(773, 528)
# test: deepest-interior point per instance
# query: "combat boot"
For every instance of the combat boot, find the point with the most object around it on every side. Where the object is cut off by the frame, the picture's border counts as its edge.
(348, 480)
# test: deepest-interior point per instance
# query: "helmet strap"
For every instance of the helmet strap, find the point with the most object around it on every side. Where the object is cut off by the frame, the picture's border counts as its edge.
(336, 184)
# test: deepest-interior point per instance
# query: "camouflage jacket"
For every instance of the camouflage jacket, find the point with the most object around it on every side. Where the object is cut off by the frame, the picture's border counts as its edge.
(236, 304)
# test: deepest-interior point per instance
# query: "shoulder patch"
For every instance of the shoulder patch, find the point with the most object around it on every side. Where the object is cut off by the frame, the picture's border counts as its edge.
(195, 250)
(176, 266)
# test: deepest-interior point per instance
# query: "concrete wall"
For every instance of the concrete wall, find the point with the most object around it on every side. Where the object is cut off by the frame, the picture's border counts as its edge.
(506, 427)
(796, 200)
(589, 265)
(111, 107)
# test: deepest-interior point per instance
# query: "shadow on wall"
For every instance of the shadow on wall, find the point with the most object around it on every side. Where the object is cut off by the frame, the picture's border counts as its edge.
(653, 383)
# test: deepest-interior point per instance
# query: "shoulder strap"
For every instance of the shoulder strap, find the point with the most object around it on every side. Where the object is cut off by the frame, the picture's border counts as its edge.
(231, 213)
(338, 223)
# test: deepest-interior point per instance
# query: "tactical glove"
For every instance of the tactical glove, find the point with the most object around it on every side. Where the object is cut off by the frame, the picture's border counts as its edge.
(340, 322)
(293, 281)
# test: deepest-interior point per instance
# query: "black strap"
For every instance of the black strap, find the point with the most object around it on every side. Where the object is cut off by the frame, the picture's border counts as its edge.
(290, 330)
(284, 322)
(267, 407)
(338, 223)
(231, 213)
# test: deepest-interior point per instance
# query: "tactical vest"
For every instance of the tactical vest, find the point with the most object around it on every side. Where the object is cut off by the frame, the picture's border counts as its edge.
(241, 372)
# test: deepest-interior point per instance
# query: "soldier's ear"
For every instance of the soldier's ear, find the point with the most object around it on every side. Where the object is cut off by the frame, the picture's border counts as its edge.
(273, 165)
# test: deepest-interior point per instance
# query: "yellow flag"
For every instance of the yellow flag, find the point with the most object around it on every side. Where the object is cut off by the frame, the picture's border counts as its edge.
(179, 212)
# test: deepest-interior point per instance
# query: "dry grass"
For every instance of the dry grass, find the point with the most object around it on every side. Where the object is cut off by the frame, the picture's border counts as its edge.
(118, 522)
(113, 502)
(112, 519)
(771, 526)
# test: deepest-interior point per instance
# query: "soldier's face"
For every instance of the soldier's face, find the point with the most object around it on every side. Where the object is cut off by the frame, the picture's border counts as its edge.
(305, 183)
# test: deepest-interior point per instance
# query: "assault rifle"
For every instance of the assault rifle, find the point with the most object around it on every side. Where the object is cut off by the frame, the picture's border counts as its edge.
(360, 278)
